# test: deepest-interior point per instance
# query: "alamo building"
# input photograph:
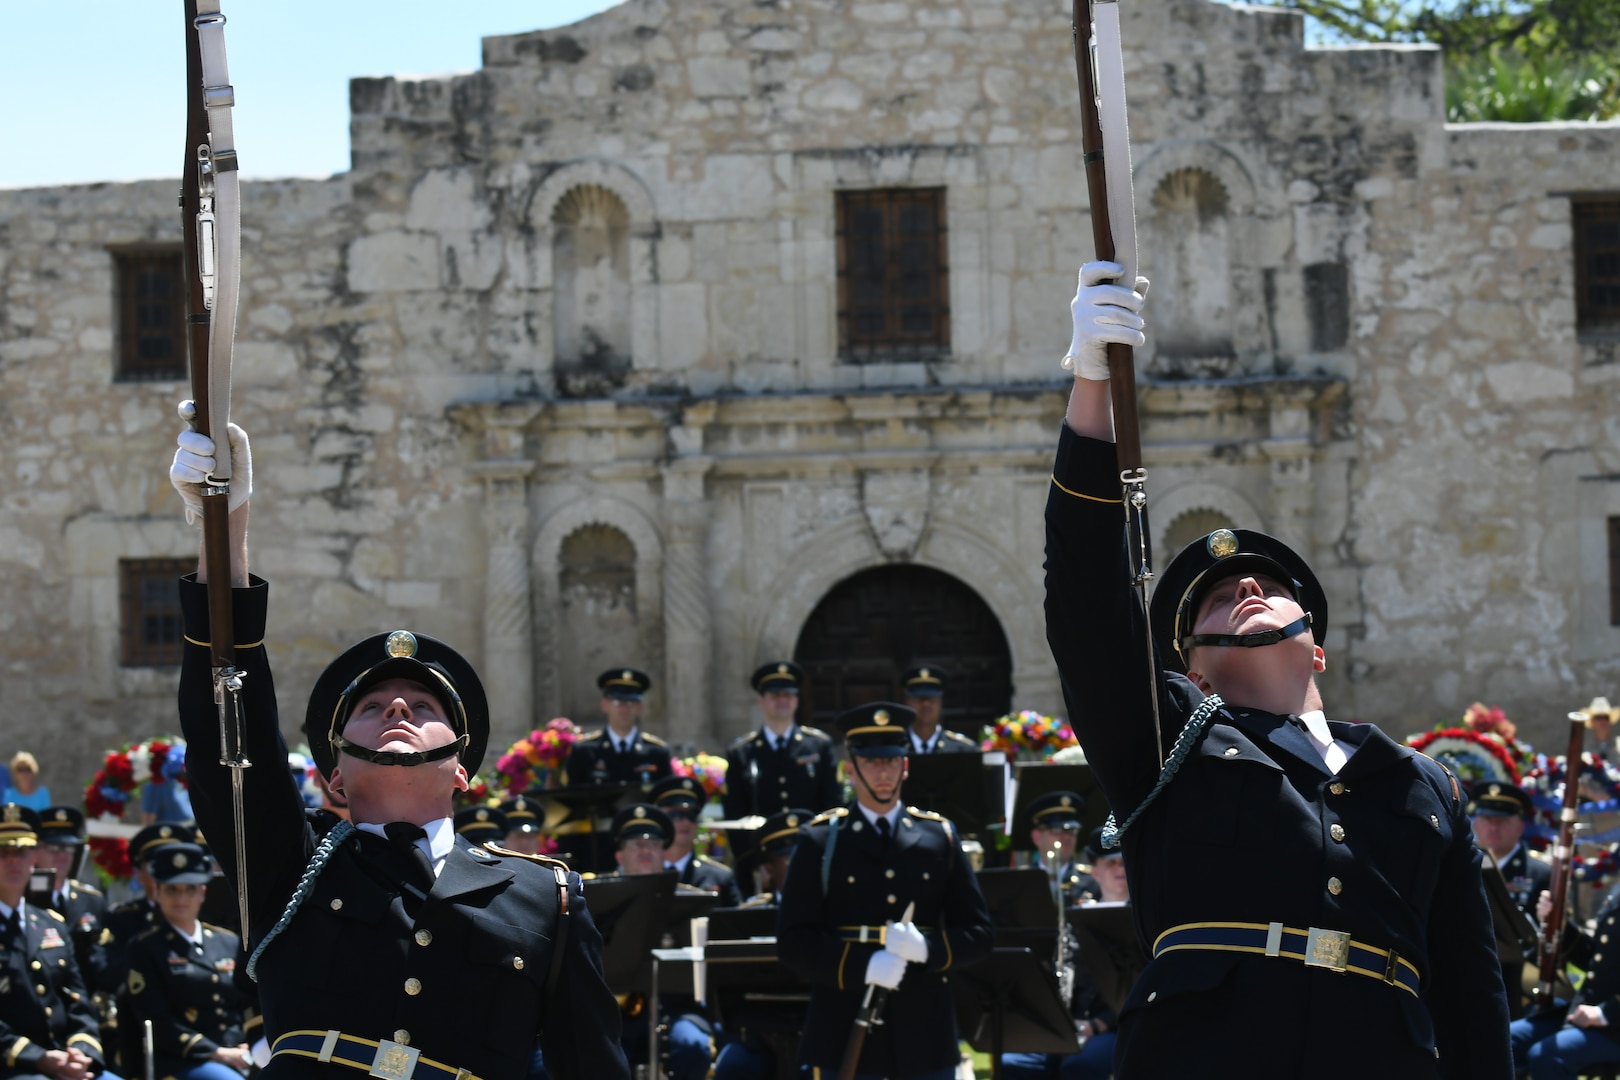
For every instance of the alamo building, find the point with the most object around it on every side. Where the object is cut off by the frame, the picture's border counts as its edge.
(707, 332)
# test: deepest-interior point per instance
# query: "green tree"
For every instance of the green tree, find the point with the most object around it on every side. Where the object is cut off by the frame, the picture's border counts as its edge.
(1515, 60)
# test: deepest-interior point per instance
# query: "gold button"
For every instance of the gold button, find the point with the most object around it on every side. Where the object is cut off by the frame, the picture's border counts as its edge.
(925, 875)
(892, 900)
(1604, 940)
(423, 937)
(783, 779)
(852, 879)
(1337, 787)
(216, 997)
(1435, 822)
(858, 826)
(1153, 995)
(1335, 886)
(413, 986)
(41, 990)
(1337, 832)
(517, 962)
(47, 1010)
(402, 1037)
(1231, 751)
(36, 965)
(213, 978)
(888, 873)
(337, 905)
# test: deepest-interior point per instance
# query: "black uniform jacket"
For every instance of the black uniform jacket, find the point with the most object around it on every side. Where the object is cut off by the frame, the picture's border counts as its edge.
(870, 886)
(43, 1002)
(461, 973)
(189, 992)
(84, 908)
(120, 926)
(1598, 954)
(1254, 829)
(594, 760)
(1527, 875)
(762, 781)
(711, 876)
(949, 742)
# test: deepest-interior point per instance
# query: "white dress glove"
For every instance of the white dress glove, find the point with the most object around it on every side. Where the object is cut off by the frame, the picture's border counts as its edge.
(260, 1052)
(904, 940)
(1103, 312)
(194, 460)
(886, 970)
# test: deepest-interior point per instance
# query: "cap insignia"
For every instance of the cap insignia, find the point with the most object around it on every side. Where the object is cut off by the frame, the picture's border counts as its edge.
(400, 643)
(165, 832)
(61, 815)
(13, 812)
(1222, 543)
(793, 821)
(641, 812)
(179, 859)
(881, 716)
(925, 674)
(482, 815)
(781, 669)
(627, 677)
(687, 783)
(1067, 801)
(1496, 789)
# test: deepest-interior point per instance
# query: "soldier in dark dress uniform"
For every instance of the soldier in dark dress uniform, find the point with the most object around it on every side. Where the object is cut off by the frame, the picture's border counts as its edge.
(1500, 811)
(1310, 890)
(524, 818)
(924, 689)
(682, 798)
(182, 977)
(783, 764)
(1054, 825)
(385, 940)
(61, 847)
(47, 1024)
(480, 825)
(856, 871)
(1561, 1043)
(621, 753)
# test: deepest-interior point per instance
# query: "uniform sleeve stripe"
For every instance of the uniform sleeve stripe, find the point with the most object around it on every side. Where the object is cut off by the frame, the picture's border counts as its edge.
(1066, 491)
(16, 1049)
(841, 961)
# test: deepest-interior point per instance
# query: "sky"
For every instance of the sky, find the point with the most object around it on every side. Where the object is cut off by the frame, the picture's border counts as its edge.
(116, 110)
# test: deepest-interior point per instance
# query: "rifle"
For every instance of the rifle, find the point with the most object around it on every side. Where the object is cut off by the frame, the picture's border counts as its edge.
(1105, 137)
(867, 1018)
(1563, 863)
(210, 214)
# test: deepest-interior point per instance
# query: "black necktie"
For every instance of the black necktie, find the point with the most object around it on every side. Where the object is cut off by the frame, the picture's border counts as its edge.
(14, 925)
(404, 836)
(883, 830)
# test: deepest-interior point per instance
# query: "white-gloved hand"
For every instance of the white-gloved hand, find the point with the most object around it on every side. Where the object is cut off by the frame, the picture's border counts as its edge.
(886, 970)
(1103, 312)
(194, 460)
(904, 940)
(260, 1053)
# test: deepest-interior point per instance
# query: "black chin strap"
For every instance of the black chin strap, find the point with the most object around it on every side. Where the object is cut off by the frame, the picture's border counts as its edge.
(854, 763)
(1247, 641)
(391, 757)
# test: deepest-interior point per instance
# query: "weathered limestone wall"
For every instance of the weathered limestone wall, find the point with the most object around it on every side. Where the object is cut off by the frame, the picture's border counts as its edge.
(553, 372)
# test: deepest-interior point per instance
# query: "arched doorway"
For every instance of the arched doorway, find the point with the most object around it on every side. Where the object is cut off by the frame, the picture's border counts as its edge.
(872, 626)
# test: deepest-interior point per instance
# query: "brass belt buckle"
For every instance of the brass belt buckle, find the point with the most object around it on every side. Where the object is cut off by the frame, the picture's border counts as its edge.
(1327, 948)
(394, 1061)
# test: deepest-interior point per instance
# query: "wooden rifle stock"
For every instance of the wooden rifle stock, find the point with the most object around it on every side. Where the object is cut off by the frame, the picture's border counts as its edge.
(1563, 864)
(869, 1015)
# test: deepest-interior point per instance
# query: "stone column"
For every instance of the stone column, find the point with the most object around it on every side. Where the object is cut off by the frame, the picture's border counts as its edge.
(687, 633)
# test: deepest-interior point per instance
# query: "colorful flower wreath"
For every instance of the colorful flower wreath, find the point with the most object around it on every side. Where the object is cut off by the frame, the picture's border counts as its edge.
(156, 761)
(1029, 735)
(1468, 753)
(707, 769)
(533, 760)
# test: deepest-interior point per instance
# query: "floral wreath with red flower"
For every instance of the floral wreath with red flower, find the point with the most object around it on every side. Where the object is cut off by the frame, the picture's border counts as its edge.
(157, 761)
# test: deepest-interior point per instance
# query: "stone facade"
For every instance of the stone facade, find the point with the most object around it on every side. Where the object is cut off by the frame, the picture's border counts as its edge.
(553, 372)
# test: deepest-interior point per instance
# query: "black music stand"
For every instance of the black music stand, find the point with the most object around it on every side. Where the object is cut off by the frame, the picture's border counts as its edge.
(633, 913)
(1021, 908)
(1010, 1002)
(578, 817)
(1036, 778)
(742, 923)
(951, 785)
(1109, 945)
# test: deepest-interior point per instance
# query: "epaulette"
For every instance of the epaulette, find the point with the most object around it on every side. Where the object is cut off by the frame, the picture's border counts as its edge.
(53, 913)
(88, 890)
(711, 862)
(817, 732)
(763, 899)
(543, 860)
(957, 736)
(917, 811)
(589, 875)
(830, 815)
(655, 740)
(587, 736)
(682, 888)
(216, 928)
(744, 740)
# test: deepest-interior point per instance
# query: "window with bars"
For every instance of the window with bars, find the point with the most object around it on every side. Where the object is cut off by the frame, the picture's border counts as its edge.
(1614, 571)
(149, 611)
(151, 313)
(1597, 266)
(893, 284)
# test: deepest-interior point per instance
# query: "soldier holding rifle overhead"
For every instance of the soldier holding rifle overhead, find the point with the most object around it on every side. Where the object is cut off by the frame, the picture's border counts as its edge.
(843, 926)
(1360, 903)
(389, 944)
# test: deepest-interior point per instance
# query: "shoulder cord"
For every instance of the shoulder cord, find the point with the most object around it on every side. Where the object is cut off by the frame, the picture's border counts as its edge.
(1191, 731)
(826, 856)
(317, 862)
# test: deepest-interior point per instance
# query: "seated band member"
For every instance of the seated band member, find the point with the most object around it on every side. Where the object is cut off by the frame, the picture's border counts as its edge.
(1287, 866)
(842, 924)
(47, 1024)
(384, 940)
(182, 977)
(682, 799)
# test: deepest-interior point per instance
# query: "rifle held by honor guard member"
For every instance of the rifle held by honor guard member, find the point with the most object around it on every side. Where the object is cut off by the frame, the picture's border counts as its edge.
(210, 212)
(1563, 864)
(869, 1016)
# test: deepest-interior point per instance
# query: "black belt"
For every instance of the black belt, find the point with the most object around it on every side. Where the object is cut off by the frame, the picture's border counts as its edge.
(391, 1060)
(868, 935)
(1314, 947)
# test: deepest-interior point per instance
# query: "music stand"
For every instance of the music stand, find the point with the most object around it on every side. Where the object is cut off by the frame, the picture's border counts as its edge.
(951, 785)
(579, 819)
(1010, 1002)
(633, 913)
(742, 923)
(1036, 778)
(1109, 945)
